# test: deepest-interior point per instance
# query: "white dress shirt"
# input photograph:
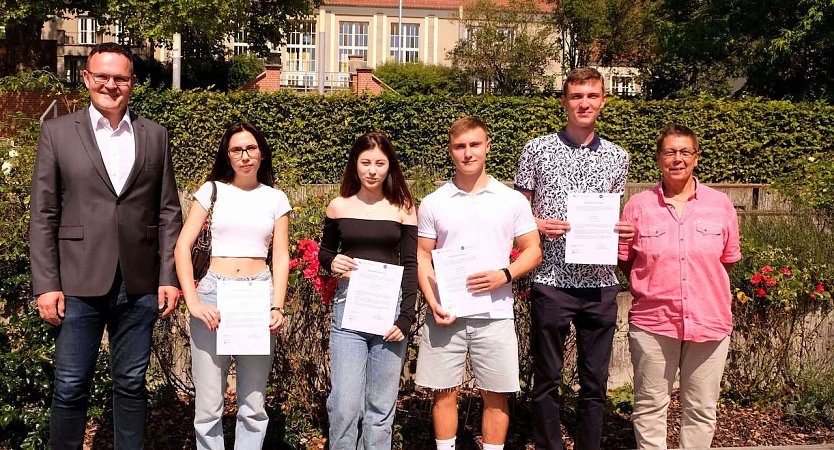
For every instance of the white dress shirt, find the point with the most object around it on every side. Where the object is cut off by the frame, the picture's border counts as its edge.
(117, 147)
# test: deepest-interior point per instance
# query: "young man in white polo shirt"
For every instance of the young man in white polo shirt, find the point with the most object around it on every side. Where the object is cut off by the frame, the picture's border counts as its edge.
(473, 209)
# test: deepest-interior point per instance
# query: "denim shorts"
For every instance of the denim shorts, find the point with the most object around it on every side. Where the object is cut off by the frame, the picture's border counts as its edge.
(207, 287)
(492, 346)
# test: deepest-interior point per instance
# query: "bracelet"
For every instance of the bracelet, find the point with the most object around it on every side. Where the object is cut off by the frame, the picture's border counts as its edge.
(507, 274)
(280, 309)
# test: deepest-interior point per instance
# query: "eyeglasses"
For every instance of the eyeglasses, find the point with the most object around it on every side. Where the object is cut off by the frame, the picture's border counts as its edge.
(103, 78)
(685, 153)
(250, 150)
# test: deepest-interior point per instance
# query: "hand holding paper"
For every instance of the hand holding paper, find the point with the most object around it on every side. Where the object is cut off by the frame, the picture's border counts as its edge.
(592, 238)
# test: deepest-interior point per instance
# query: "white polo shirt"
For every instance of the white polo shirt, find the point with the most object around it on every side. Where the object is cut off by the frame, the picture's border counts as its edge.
(489, 219)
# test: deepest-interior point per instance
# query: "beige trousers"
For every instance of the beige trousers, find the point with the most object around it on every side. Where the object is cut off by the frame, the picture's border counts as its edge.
(656, 360)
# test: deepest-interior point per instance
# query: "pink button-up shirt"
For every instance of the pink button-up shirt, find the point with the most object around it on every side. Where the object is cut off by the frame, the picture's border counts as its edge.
(680, 287)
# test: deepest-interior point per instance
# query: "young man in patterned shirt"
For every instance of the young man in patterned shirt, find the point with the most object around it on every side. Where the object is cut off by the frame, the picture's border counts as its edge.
(575, 159)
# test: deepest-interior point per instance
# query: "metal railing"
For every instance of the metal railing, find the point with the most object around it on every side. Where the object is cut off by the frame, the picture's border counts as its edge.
(52, 107)
(308, 81)
(78, 38)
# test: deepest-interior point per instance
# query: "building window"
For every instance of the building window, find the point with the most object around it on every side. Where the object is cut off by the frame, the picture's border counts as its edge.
(301, 55)
(353, 40)
(119, 33)
(241, 44)
(411, 42)
(74, 65)
(86, 30)
(471, 35)
(623, 86)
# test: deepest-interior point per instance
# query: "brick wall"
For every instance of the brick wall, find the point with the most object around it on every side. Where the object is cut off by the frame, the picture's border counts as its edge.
(32, 104)
(268, 81)
(364, 82)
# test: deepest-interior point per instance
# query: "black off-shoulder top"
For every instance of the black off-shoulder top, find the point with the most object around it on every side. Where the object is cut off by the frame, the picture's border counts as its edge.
(384, 241)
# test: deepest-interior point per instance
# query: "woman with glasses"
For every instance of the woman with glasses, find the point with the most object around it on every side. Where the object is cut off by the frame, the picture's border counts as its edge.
(680, 319)
(372, 218)
(248, 216)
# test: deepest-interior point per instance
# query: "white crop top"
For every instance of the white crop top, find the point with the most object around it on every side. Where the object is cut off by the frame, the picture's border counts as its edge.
(242, 222)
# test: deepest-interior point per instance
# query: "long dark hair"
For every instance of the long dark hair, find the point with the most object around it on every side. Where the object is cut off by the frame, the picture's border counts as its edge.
(222, 169)
(394, 187)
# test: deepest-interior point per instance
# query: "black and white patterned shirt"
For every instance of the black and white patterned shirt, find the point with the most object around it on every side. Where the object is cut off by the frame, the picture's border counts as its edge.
(551, 167)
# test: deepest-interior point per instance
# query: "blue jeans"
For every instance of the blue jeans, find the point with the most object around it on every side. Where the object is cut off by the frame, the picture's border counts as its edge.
(365, 380)
(129, 320)
(209, 371)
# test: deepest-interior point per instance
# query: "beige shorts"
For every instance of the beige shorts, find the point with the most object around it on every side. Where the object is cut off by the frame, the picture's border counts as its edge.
(492, 346)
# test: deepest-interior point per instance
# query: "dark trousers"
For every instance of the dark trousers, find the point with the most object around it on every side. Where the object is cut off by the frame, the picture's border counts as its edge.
(129, 320)
(593, 312)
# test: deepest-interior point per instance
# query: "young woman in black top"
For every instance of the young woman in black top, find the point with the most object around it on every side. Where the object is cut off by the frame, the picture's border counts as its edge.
(373, 218)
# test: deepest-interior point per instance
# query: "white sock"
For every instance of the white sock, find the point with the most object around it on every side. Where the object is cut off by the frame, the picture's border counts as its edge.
(493, 446)
(445, 444)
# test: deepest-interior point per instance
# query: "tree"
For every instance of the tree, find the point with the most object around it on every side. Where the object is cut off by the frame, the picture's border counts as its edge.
(242, 69)
(782, 50)
(605, 32)
(508, 47)
(208, 22)
(23, 20)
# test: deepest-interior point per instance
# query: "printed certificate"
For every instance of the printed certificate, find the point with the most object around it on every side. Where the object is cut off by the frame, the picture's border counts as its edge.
(591, 238)
(451, 267)
(244, 317)
(372, 297)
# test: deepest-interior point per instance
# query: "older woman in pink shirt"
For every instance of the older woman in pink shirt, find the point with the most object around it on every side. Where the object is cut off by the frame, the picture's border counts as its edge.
(680, 318)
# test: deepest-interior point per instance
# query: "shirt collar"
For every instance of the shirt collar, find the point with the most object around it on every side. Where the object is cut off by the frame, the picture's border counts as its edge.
(593, 145)
(99, 121)
(661, 197)
(491, 187)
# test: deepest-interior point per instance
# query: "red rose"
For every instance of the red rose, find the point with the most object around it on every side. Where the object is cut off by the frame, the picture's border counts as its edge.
(760, 292)
(329, 289)
(311, 255)
(514, 254)
(786, 271)
(756, 279)
(310, 271)
(318, 284)
(294, 263)
(820, 288)
(770, 281)
(767, 269)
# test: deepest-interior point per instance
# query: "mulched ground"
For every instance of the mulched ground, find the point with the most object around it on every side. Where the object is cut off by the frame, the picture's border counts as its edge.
(170, 427)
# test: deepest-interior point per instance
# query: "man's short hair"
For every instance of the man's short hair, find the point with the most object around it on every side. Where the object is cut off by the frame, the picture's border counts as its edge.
(465, 124)
(112, 47)
(582, 75)
(673, 129)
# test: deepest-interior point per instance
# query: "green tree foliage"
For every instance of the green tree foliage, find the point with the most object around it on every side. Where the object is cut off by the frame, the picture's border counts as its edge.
(418, 78)
(508, 48)
(781, 50)
(605, 32)
(242, 69)
(23, 20)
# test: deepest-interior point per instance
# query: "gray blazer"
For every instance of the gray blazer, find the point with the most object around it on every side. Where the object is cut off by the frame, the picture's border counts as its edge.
(81, 231)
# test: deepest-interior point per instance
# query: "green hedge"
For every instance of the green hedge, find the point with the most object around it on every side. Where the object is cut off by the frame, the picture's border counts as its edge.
(743, 141)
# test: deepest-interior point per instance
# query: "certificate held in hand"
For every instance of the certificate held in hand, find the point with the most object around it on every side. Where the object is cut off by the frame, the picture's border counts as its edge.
(452, 265)
(244, 317)
(372, 297)
(592, 238)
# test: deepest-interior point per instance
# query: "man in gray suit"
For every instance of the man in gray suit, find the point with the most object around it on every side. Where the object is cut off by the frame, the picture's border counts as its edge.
(105, 216)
